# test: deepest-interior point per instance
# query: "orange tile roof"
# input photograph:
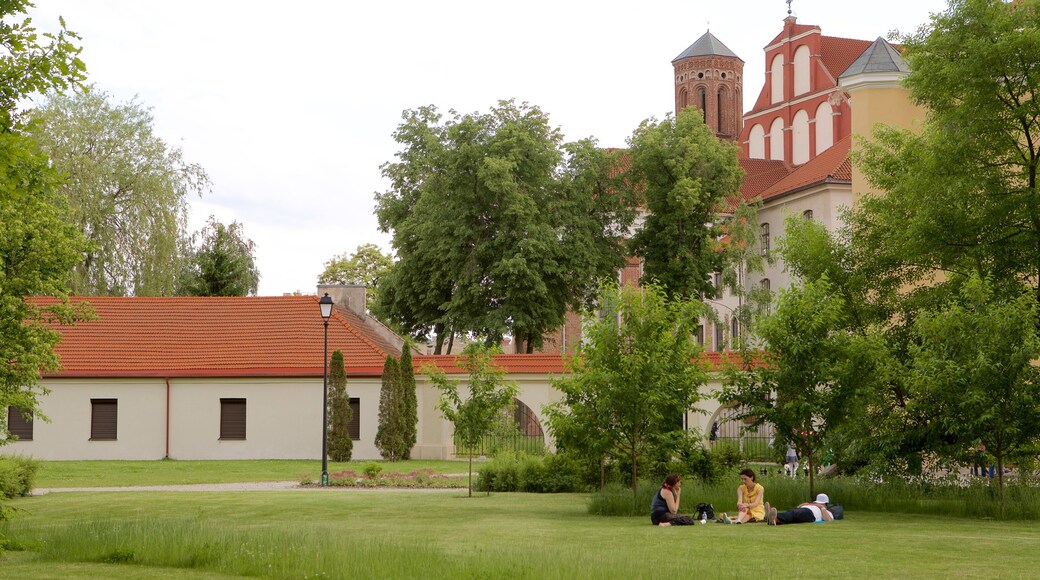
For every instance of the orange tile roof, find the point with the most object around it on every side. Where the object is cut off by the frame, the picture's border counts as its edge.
(760, 174)
(831, 165)
(256, 336)
(838, 53)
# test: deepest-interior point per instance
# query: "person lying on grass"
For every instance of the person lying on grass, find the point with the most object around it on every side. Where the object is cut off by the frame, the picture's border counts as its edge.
(749, 500)
(664, 510)
(806, 513)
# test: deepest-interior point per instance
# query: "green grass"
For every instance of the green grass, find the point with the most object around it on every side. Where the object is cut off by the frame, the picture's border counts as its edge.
(391, 534)
(135, 473)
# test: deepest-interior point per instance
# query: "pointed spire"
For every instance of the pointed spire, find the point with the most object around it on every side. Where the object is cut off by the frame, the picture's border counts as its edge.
(707, 45)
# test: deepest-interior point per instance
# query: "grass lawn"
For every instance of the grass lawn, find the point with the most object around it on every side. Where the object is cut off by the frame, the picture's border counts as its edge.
(123, 473)
(396, 534)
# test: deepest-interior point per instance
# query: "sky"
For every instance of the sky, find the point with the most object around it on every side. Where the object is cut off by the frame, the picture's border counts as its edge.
(291, 106)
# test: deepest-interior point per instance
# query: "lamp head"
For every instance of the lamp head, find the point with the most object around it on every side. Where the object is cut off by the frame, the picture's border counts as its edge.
(326, 306)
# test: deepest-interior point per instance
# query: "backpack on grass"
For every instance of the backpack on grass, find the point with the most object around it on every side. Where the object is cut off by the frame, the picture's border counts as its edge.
(705, 511)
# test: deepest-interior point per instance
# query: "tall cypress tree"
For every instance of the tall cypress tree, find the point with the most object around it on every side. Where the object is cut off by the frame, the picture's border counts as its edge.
(410, 417)
(388, 437)
(341, 447)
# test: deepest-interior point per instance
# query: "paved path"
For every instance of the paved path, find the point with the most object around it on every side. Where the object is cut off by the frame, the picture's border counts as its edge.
(244, 486)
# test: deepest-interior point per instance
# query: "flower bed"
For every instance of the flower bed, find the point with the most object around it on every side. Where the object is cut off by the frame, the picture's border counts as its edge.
(418, 479)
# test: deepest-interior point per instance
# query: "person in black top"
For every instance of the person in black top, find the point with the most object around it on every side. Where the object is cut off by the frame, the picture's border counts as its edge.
(664, 510)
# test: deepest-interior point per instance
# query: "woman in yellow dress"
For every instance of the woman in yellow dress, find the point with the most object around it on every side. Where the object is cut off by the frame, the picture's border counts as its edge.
(750, 500)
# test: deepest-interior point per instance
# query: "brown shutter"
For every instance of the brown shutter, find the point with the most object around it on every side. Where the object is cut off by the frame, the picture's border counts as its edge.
(103, 419)
(18, 425)
(354, 427)
(232, 418)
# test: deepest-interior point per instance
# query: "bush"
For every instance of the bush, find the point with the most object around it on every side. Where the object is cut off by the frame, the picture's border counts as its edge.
(17, 475)
(372, 469)
(533, 474)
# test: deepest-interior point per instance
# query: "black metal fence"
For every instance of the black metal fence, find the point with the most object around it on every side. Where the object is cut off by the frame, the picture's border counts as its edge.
(754, 447)
(490, 445)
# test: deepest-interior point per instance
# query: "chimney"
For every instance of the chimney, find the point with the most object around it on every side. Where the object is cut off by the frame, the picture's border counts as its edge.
(350, 295)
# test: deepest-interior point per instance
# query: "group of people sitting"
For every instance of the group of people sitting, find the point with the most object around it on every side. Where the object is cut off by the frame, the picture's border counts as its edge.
(751, 507)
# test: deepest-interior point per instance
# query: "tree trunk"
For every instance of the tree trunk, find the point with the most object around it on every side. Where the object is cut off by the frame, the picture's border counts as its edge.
(471, 473)
(635, 473)
(602, 474)
(1000, 474)
(438, 333)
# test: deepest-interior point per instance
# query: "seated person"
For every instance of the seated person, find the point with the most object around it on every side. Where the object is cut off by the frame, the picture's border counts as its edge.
(749, 500)
(664, 510)
(805, 513)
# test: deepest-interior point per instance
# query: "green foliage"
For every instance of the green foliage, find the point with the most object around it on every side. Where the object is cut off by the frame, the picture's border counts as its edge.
(682, 173)
(410, 414)
(973, 373)
(632, 380)
(498, 226)
(17, 476)
(127, 189)
(341, 446)
(38, 245)
(220, 262)
(488, 394)
(390, 434)
(365, 267)
(533, 474)
(372, 469)
(32, 62)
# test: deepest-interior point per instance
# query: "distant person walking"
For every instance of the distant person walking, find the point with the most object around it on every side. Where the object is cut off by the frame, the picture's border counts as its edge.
(791, 462)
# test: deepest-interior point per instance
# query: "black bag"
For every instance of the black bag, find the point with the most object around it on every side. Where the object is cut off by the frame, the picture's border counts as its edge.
(705, 511)
(682, 521)
(837, 511)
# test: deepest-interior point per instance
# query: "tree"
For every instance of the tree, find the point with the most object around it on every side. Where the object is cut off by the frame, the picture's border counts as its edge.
(634, 376)
(341, 446)
(390, 435)
(499, 227)
(682, 173)
(798, 386)
(488, 395)
(973, 372)
(962, 195)
(220, 262)
(38, 244)
(127, 189)
(365, 267)
(410, 421)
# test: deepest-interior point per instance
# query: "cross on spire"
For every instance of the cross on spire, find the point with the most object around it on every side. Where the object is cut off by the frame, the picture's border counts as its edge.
(789, 7)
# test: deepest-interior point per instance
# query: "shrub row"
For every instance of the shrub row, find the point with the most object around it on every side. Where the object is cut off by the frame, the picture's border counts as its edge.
(534, 474)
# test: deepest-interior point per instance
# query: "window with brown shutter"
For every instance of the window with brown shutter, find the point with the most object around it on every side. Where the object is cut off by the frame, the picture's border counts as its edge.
(232, 418)
(354, 427)
(103, 415)
(18, 425)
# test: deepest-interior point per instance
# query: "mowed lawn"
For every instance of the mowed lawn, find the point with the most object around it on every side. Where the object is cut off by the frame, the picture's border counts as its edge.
(173, 472)
(442, 534)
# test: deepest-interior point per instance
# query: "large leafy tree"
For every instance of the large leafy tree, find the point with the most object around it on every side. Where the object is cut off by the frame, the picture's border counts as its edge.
(127, 188)
(341, 446)
(634, 377)
(681, 173)
(220, 262)
(499, 227)
(365, 267)
(962, 194)
(39, 245)
(972, 371)
(476, 410)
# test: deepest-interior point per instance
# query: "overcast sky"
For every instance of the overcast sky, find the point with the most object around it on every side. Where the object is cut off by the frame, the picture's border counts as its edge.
(290, 106)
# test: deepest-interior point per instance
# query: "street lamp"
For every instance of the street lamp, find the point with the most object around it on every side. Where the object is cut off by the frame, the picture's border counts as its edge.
(326, 311)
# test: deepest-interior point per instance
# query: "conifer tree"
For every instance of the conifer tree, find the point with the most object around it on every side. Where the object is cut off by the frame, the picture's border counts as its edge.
(341, 447)
(410, 403)
(388, 436)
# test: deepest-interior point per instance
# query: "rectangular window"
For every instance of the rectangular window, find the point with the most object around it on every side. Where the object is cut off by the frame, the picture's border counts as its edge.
(103, 416)
(18, 425)
(354, 427)
(233, 419)
(720, 339)
(700, 334)
(765, 239)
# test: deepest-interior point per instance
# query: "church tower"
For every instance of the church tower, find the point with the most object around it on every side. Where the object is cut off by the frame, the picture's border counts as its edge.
(709, 76)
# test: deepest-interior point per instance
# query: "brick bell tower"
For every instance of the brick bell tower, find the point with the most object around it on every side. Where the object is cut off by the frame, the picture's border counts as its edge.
(709, 76)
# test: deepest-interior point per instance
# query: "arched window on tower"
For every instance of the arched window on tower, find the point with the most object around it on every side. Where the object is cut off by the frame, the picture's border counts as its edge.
(702, 101)
(720, 105)
(684, 99)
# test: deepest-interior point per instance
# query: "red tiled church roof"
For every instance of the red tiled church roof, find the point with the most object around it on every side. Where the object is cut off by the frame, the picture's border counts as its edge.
(256, 336)
(831, 165)
(761, 174)
(838, 53)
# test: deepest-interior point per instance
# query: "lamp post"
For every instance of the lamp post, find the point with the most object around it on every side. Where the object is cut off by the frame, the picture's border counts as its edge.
(326, 311)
